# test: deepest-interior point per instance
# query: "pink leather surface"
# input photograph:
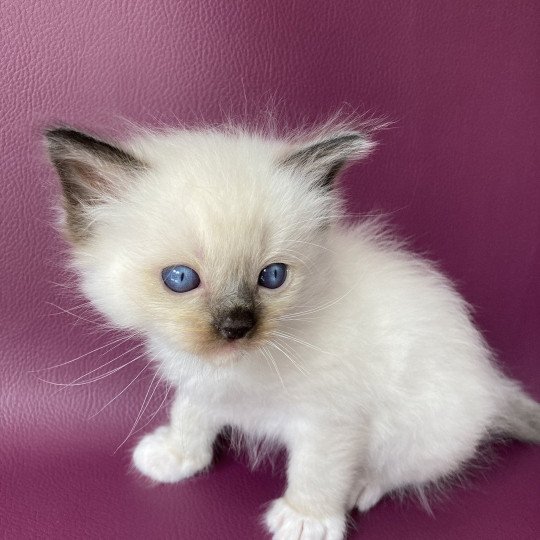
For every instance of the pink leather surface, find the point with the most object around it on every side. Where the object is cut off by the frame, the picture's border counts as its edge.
(458, 173)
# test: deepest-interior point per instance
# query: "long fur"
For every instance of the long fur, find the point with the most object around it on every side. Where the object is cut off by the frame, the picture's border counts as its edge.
(365, 365)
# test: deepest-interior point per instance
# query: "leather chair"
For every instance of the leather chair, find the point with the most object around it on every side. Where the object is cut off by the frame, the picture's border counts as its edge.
(457, 173)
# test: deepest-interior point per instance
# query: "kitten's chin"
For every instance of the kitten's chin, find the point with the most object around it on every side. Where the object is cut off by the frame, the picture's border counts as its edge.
(221, 354)
(225, 354)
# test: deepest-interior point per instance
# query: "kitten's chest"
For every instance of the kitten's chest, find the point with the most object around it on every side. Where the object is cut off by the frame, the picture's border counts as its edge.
(255, 408)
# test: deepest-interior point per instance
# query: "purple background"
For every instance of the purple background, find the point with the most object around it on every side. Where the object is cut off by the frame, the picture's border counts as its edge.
(458, 173)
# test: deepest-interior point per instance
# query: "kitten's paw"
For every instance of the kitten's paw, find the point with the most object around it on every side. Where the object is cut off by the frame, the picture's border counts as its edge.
(285, 523)
(160, 457)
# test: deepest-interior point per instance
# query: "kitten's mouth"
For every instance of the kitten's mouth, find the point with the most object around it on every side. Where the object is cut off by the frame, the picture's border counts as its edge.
(227, 351)
(230, 349)
(228, 345)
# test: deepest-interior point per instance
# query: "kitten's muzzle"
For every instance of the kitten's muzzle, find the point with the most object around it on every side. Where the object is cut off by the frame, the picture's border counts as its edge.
(236, 324)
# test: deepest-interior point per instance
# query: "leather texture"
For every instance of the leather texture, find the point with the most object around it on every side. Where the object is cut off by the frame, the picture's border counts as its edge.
(457, 173)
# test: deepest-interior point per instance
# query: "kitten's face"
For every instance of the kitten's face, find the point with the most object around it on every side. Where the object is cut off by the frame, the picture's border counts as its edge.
(216, 211)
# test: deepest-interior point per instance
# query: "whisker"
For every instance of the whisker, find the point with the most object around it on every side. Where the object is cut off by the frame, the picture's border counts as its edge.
(135, 347)
(118, 342)
(146, 401)
(301, 342)
(68, 312)
(99, 377)
(295, 364)
(119, 394)
(293, 255)
(310, 222)
(320, 308)
(271, 358)
(153, 415)
(95, 379)
(313, 244)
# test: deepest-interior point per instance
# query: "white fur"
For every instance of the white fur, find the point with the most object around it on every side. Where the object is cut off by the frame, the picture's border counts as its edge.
(372, 375)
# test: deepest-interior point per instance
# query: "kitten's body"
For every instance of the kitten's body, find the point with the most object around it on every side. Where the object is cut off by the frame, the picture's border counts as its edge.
(365, 365)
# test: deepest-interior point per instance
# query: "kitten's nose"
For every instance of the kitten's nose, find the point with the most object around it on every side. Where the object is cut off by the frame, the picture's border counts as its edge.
(236, 324)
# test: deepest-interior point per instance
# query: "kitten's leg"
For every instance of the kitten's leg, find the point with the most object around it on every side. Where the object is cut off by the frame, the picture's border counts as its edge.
(367, 493)
(370, 495)
(321, 475)
(178, 450)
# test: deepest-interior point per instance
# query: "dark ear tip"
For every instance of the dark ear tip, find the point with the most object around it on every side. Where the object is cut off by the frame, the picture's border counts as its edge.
(355, 137)
(61, 133)
(63, 137)
(54, 132)
(64, 141)
(351, 136)
(56, 137)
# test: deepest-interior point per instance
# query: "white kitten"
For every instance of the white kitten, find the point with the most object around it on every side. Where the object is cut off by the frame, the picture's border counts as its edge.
(226, 250)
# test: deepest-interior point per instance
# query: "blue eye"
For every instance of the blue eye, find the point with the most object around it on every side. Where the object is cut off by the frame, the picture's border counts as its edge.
(273, 275)
(180, 278)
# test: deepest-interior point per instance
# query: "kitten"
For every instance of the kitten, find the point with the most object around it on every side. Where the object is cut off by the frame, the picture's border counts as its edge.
(226, 249)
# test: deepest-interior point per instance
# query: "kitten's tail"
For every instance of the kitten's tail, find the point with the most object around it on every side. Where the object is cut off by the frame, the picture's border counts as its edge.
(521, 419)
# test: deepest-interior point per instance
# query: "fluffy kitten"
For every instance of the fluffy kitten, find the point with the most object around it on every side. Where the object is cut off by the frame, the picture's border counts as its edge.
(225, 248)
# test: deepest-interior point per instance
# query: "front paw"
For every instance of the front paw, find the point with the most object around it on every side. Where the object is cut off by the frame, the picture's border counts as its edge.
(160, 456)
(285, 523)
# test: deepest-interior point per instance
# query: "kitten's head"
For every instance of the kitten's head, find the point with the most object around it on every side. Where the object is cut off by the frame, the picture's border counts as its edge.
(204, 238)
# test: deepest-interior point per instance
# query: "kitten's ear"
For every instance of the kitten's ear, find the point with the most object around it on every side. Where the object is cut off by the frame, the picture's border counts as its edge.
(324, 158)
(90, 170)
